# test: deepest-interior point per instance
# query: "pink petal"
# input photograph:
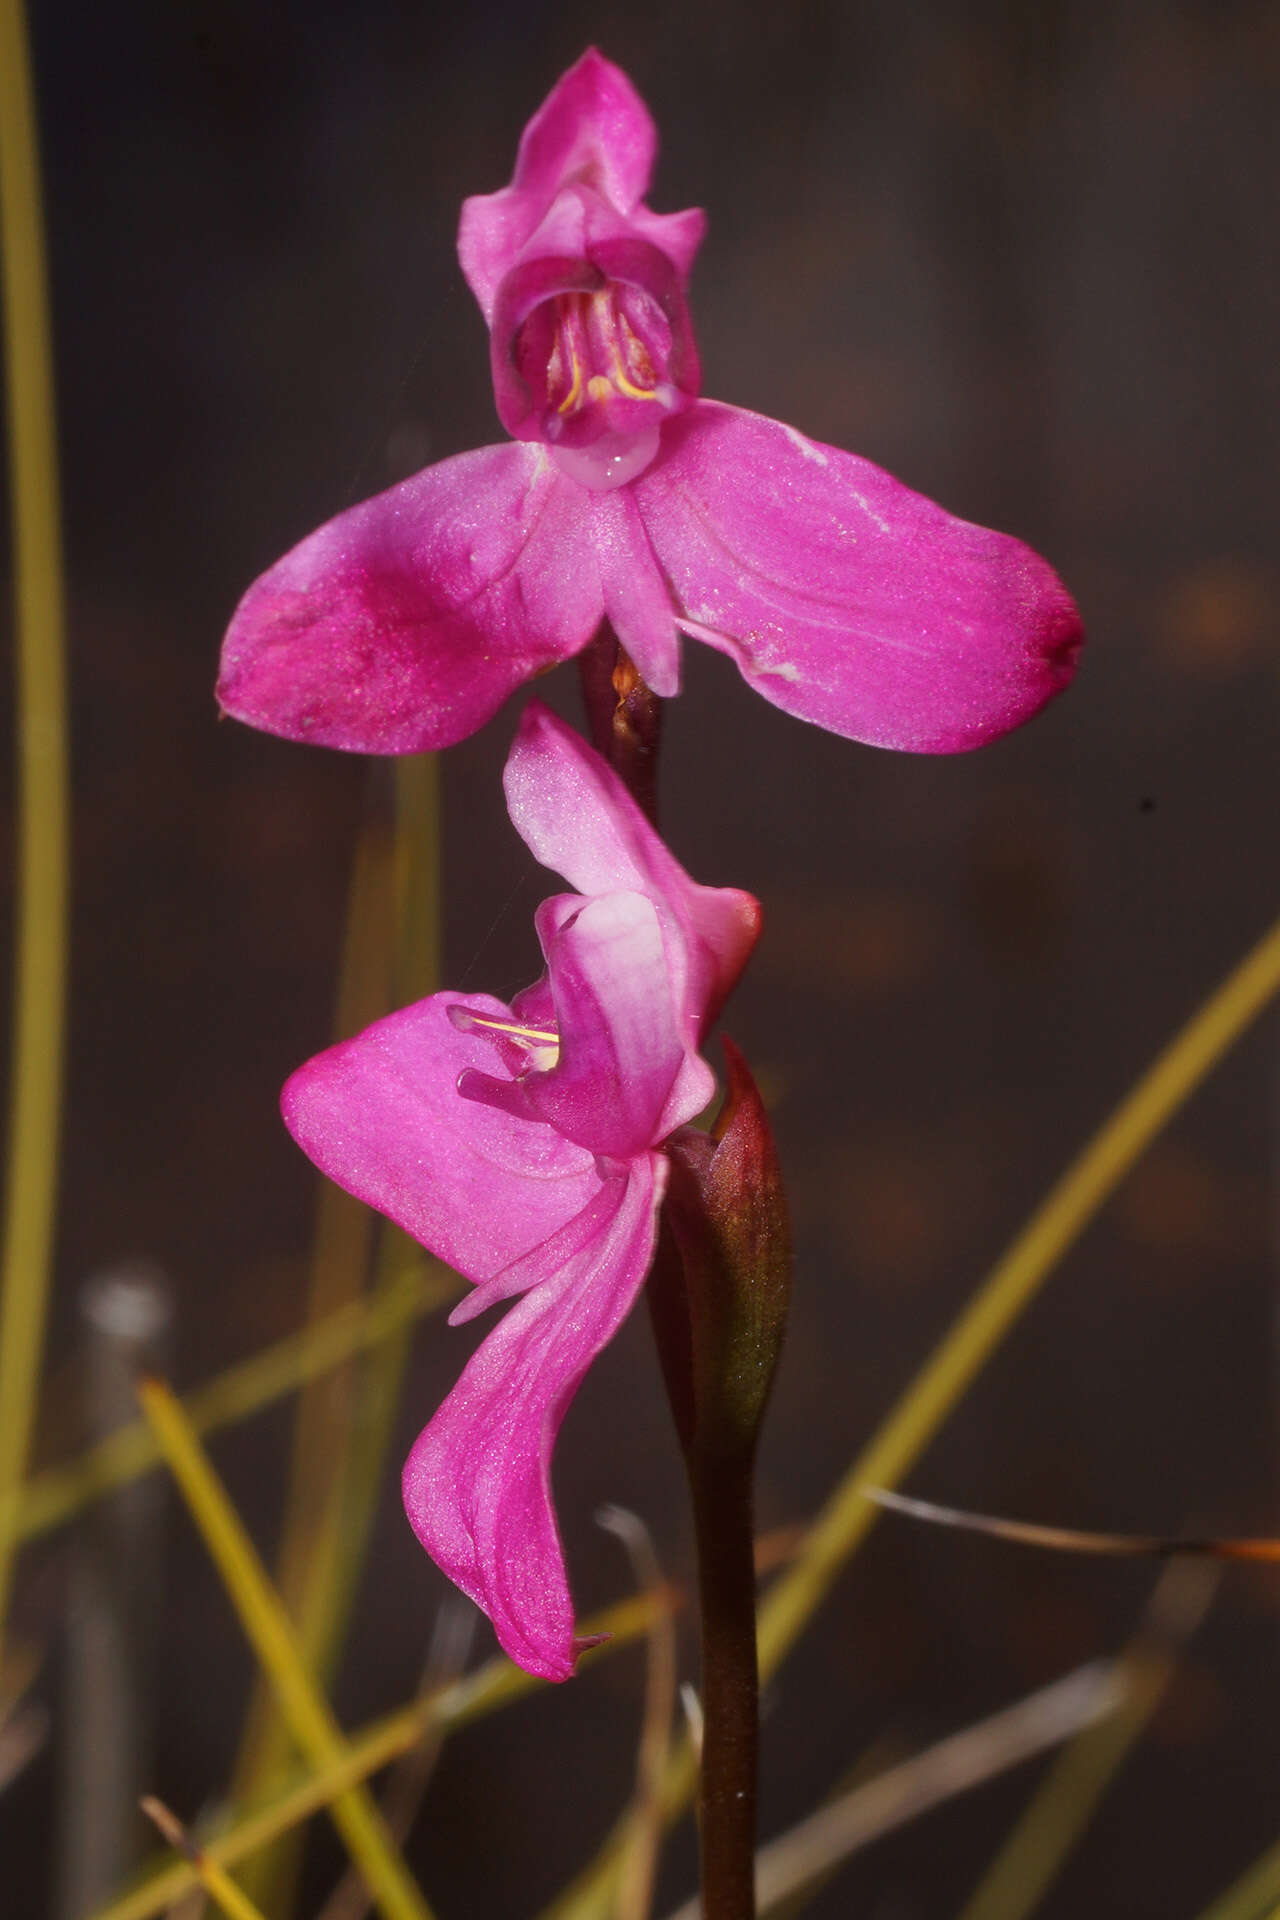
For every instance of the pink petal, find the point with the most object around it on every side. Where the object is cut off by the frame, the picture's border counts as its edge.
(405, 623)
(592, 127)
(381, 1115)
(637, 600)
(545, 1260)
(576, 817)
(621, 1049)
(477, 1485)
(844, 597)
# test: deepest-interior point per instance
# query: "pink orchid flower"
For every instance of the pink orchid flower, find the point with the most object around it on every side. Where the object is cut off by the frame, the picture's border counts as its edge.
(842, 596)
(522, 1144)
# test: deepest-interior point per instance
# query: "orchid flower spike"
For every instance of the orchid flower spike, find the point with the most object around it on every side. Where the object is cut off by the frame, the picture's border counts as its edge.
(522, 1144)
(842, 597)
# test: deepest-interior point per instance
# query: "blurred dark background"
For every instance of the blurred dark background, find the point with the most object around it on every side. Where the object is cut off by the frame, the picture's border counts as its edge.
(1024, 256)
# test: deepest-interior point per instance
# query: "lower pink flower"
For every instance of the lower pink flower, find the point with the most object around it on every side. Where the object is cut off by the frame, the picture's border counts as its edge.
(522, 1144)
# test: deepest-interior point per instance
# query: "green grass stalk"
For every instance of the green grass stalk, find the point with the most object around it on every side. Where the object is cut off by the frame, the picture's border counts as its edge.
(40, 960)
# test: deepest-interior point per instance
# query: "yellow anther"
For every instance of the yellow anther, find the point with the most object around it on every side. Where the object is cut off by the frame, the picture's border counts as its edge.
(533, 1034)
(570, 400)
(635, 355)
(624, 385)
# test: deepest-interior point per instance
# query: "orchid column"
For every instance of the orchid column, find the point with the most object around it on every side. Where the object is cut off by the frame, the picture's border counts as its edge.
(545, 1149)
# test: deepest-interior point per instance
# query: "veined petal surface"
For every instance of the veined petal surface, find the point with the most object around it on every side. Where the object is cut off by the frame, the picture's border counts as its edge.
(844, 597)
(404, 623)
(477, 1484)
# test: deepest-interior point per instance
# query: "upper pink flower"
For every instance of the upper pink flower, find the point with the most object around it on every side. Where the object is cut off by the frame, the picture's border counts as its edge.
(842, 596)
(582, 285)
(522, 1145)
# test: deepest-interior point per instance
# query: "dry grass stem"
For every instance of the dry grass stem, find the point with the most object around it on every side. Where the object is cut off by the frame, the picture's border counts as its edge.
(267, 1627)
(215, 1881)
(1067, 1798)
(953, 1766)
(1118, 1546)
(495, 1685)
(635, 1893)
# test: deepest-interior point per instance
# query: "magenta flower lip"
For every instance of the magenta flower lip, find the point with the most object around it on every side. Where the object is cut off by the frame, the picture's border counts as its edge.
(842, 596)
(523, 1145)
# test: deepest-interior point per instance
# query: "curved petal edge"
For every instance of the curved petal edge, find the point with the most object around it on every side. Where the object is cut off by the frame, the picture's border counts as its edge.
(477, 1484)
(845, 598)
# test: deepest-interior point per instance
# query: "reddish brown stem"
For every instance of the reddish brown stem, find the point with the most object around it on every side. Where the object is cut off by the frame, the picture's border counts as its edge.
(730, 1686)
(625, 718)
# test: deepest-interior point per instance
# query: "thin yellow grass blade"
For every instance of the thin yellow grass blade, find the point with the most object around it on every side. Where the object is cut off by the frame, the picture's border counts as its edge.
(1113, 1546)
(55, 1496)
(39, 981)
(267, 1627)
(1059, 1812)
(946, 1376)
(495, 1685)
(215, 1880)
